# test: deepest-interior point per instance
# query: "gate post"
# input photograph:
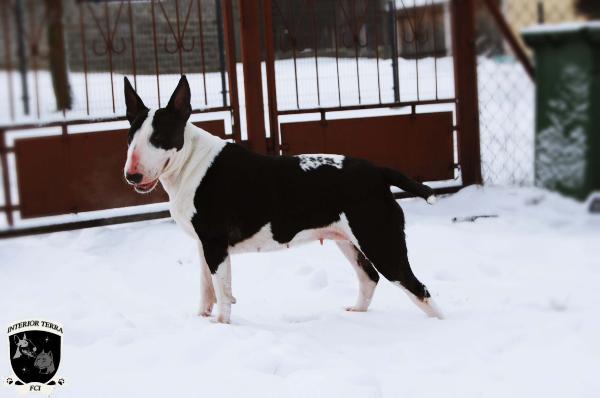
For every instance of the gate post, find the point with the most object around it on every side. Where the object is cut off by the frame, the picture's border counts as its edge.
(234, 103)
(251, 59)
(465, 80)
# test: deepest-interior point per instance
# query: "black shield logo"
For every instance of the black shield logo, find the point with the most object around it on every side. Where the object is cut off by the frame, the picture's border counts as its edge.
(34, 355)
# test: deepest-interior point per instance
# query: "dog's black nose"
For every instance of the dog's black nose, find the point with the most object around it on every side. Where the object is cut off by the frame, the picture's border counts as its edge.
(134, 178)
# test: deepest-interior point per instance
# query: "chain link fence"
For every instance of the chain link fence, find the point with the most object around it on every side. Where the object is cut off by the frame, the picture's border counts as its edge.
(507, 93)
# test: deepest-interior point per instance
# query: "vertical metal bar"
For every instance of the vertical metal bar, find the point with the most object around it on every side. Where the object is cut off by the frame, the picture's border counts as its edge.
(435, 55)
(34, 53)
(132, 40)
(231, 68)
(376, 28)
(110, 55)
(394, 43)
(251, 58)
(337, 55)
(22, 55)
(219, 22)
(5, 179)
(355, 32)
(316, 38)
(156, 67)
(357, 71)
(416, 40)
(8, 56)
(465, 79)
(271, 82)
(178, 38)
(295, 73)
(84, 56)
(201, 28)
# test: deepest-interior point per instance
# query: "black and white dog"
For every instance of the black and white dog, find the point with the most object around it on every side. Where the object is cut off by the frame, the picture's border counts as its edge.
(232, 200)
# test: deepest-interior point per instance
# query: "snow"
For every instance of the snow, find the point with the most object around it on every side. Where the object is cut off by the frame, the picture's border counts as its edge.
(562, 27)
(408, 4)
(519, 293)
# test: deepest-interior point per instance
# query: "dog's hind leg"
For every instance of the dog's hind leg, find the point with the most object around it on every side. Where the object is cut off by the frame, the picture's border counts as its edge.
(207, 291)
(401, 275)
(398, 272)
(396, 268)
(367, 275)
(379, 230)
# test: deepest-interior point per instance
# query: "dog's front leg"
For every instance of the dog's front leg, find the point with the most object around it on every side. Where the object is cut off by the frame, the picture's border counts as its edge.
(216, 256)
(207, 291)
(222, 283)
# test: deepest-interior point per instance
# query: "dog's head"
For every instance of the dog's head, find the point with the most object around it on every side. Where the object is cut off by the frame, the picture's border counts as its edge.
(155, 136)
(24, 346)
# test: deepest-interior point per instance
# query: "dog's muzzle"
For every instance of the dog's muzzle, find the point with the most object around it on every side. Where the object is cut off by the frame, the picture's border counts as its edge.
(146, 187)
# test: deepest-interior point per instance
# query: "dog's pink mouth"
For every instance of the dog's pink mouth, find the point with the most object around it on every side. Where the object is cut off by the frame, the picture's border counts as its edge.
(146, 187)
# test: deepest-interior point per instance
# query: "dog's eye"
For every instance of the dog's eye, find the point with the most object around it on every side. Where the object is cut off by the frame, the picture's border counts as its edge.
(157, 141)
(154, 140)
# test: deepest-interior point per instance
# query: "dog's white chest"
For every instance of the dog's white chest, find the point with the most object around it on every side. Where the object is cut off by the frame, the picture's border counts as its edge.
(182, 213)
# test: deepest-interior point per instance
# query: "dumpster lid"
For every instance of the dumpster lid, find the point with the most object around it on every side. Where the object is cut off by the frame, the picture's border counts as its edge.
(561, 33)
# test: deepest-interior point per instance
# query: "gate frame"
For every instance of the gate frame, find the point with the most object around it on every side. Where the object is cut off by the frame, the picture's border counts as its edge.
(465, 98)
(466, 92)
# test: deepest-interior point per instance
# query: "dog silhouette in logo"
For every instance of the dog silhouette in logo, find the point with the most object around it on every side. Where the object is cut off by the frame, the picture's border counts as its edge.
(45, 362)
(25, 347)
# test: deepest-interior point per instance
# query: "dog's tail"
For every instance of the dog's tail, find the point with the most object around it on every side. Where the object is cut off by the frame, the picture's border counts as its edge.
(399, 180)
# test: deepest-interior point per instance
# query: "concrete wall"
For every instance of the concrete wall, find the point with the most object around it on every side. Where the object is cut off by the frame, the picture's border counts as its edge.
(523, 13)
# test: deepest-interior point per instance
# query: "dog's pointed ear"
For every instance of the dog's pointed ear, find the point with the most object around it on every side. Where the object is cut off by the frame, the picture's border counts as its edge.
(180, 101)
(50, 354)
(134, 103)
(16, 339)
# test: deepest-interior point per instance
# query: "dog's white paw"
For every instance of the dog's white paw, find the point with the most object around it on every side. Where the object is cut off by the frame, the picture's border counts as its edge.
(222, 319)
(432, 200)
(355, 308)
(206, 309)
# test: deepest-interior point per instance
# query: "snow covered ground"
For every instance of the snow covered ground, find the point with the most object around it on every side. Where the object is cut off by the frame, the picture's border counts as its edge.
(520, 294)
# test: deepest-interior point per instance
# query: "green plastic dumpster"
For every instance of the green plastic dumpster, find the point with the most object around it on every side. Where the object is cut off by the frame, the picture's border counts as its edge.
(567, 141)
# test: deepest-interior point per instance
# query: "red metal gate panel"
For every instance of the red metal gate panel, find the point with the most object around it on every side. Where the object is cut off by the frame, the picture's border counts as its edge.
(419, 145)
(80, 172)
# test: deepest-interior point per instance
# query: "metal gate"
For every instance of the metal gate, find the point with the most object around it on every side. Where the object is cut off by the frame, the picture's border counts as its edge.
(394, 82)
(60, 163)
(344, 64)
(364, 57)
